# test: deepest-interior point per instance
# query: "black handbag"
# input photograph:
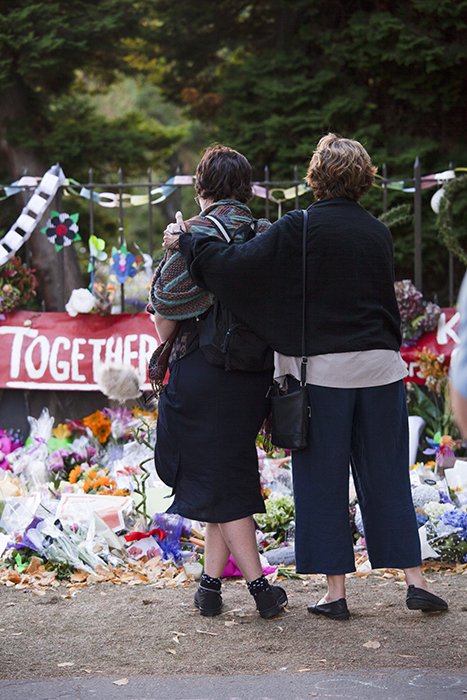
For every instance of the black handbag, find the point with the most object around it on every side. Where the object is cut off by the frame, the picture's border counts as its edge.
(290, 413)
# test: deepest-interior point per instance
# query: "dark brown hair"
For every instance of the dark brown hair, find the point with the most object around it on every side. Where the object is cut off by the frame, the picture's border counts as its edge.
(223, 173)
(340, 168)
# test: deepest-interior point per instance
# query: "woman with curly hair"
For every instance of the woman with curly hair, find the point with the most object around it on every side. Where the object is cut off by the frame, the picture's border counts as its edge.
(354, 371)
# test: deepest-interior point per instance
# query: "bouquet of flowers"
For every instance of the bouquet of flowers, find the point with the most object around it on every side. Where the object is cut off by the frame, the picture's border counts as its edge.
(439, 512)
(18, 285)
(417, 316)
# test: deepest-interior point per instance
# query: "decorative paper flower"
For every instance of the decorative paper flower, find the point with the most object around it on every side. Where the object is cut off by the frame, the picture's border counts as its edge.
(96, 248)
(62, 229)
(124, 264)
(81, 301)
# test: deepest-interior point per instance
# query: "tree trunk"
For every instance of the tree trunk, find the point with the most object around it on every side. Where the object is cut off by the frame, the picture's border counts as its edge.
(15, 107)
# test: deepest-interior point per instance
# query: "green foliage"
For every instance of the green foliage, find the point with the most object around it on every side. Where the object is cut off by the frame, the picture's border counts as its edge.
(54, 57)
(446, 227)
(435, 409)
(278, 518)
(396, 216)
(271, 77)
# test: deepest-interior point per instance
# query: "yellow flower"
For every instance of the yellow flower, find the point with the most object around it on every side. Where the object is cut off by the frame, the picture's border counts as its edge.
(62, 431)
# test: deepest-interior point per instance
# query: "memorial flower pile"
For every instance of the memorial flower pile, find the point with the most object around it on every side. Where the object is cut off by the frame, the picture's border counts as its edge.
(441, 512)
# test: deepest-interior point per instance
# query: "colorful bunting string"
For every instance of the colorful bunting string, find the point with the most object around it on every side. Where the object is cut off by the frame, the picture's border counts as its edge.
(160, 193)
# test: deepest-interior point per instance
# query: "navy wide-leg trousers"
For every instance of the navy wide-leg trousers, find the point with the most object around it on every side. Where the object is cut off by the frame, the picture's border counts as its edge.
(368, 429)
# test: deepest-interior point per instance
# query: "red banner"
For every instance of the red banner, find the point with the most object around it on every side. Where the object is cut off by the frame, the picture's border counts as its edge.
(442, 341)
(55, 351)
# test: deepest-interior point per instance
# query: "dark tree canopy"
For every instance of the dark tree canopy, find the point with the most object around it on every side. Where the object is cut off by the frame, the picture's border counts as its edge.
(272, 76)
(53, 56)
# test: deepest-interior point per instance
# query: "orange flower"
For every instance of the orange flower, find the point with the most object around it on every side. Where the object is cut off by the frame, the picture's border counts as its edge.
(74, 475)
(87, 485)
(99, 425)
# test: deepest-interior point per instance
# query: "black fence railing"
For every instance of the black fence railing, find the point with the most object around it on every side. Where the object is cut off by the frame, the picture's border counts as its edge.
(277, 197)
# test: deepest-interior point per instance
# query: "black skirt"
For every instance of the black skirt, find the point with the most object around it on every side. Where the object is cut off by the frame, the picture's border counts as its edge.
(205, 449)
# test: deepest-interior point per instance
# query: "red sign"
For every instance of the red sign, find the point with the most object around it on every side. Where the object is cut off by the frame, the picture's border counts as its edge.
(55, 351)
(441, 341)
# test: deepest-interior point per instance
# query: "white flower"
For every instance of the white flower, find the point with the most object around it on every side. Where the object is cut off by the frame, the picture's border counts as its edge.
(424, 494)
(436, 510)
(80, 302)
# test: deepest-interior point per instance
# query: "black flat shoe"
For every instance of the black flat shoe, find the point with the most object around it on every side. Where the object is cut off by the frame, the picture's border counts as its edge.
(271, 603)
(208, 602)
(419, 599)
(337, 610)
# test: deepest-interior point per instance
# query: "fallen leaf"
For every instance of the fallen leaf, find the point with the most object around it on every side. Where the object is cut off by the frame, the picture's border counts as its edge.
(213, 634)
(372, 645)
(121, 681)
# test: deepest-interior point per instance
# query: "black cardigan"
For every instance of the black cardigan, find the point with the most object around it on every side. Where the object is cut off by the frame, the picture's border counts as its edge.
(351, 304)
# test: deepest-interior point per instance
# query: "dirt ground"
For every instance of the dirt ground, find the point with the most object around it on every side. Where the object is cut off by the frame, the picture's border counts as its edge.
(107, 629)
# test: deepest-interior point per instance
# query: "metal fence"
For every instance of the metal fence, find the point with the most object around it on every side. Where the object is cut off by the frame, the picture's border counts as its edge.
(274, 205)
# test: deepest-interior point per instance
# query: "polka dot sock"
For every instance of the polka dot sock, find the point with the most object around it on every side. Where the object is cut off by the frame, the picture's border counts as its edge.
(258, 585)
(212, 584)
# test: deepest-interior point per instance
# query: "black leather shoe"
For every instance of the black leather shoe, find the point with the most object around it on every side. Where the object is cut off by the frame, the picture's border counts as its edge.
(208, 602)
(419, 599)
(337, 610)
(271, 602)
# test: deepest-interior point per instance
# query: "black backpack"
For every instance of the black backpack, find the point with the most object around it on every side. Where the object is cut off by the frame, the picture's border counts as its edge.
(224, 340)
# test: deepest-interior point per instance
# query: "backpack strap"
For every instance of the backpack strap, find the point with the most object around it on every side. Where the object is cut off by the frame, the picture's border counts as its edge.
(220, 227)
(250, 233)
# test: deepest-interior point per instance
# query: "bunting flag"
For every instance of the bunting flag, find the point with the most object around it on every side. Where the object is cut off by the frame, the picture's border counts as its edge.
(54, 178)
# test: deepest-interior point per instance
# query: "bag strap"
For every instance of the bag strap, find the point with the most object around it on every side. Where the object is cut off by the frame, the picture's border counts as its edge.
(253, 226)
(304, 362)
(220, 227)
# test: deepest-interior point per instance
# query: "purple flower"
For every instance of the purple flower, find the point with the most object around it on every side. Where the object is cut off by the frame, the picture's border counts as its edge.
(55, 462)
(444, 498)
(32, 536)
(457, 519)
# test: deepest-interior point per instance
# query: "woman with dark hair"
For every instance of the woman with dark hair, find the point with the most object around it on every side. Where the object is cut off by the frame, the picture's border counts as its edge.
(354, 368)
(208, 418)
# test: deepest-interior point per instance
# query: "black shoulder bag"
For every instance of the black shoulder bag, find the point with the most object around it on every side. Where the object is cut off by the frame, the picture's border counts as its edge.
(290, 413)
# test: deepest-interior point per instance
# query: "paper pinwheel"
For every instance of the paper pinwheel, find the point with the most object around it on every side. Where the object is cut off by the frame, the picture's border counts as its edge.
(96, 248)
(62, 229)
(124, 264)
